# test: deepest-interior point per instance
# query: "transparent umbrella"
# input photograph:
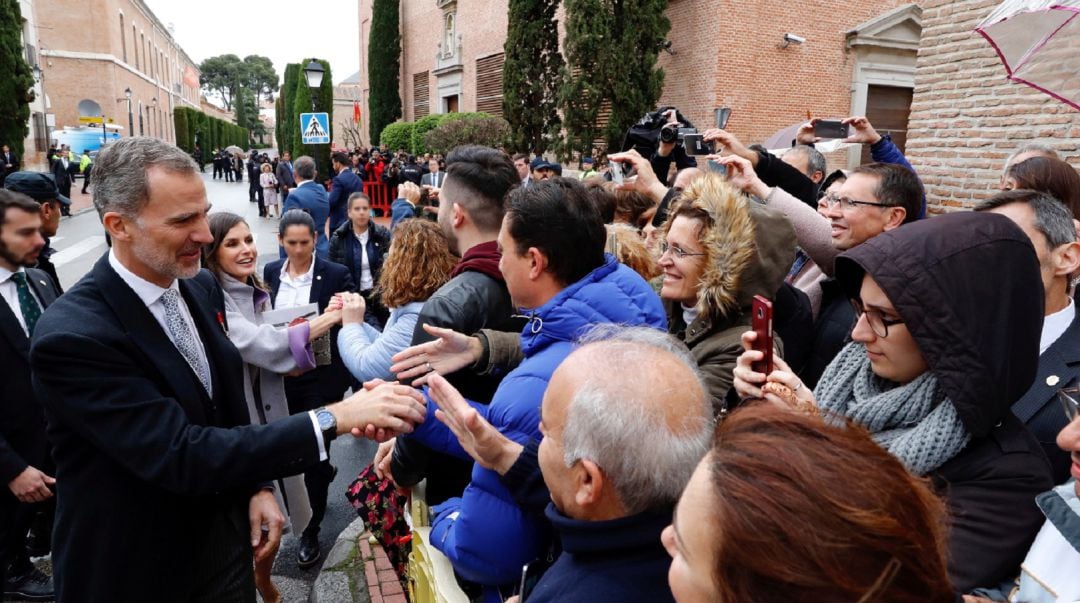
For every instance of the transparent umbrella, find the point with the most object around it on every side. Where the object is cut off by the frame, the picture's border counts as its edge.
(1039, 44)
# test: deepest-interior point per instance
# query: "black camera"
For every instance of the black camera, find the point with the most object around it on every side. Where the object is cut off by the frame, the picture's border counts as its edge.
(675, 133)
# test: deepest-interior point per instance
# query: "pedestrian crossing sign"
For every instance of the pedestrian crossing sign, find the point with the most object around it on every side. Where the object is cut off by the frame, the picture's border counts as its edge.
(315, 128)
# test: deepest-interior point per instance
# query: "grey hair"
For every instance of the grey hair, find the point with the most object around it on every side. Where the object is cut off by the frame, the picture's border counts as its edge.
(611, 422)
(1052, 218)
(121, 184)
(815, 161)
(304, 167)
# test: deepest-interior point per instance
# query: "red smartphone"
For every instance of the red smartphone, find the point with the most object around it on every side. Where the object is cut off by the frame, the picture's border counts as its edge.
(761, 323)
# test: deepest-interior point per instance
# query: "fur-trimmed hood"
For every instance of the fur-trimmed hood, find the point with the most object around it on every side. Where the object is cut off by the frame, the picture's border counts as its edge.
(750, 248)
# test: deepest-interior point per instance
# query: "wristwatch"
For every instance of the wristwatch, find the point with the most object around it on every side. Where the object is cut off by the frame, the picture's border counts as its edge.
(327, 423)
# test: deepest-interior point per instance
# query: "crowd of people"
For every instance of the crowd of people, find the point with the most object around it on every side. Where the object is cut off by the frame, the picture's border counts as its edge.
(572, 368)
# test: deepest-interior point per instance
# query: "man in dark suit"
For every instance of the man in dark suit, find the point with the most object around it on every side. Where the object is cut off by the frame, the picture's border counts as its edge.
(25, 466)
(345, 184)
(286, 179)
(311, 197)
(41, 188)
(9, 162)
(62, 174)
(162, 485)
(254, 167)
(299, 279)
(1049, 224)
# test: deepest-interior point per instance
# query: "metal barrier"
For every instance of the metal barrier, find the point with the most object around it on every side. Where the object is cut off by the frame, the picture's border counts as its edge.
(381, 195)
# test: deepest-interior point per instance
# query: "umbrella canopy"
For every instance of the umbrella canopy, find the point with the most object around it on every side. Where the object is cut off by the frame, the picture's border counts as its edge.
(1039, 44)
(234, 149)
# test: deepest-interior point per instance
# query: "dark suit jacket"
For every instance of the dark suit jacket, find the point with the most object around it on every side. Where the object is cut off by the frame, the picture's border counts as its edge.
(285, 175)
(311, 197)
(329, 278)
(1039, 408)
(145, 457)
(22, 420)
(345, 184)
(429, 180)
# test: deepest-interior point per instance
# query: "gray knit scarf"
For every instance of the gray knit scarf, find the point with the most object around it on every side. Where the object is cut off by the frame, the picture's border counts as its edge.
(913, 421)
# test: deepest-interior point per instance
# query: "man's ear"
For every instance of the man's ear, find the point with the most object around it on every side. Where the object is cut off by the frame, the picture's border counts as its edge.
(116, 226)
(539, 263)
(894, 218)
(589, 484)
(457, 216)
(48, 209)
(1066, 259)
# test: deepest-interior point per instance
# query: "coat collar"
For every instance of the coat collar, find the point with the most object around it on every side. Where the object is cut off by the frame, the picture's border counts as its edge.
(146, 333)
(1058, 365)
(9, 323)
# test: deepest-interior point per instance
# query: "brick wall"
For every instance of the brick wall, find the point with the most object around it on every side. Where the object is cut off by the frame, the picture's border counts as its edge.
(725, 54)
(967, 117)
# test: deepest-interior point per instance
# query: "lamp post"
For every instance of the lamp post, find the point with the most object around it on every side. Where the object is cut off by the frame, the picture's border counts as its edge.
(314, 74)
(157, 119)
(131, 118)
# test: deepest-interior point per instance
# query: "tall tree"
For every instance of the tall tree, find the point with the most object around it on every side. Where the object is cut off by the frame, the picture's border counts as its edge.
(288, 96)
(324, 102)
(15, 86)
(531, 74)
(222, 76)
(384, 67)
(639, 27)
(611, 47)
(261, 78)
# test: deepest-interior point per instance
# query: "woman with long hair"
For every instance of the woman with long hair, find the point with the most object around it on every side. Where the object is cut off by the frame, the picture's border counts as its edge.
(268, 351)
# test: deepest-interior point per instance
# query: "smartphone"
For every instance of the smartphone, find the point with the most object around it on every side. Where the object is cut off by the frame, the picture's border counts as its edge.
(695, 145)
(761, 323)
(719, 168)
(530, 575)
(616, 172)
(825, 128)
(723, 114)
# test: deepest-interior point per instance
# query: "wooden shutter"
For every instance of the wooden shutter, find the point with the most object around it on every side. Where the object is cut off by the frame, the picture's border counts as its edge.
(489, 84)
(421, 95)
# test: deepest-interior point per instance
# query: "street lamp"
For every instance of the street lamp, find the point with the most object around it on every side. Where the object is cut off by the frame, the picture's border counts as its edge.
(157, 120)
(314, 74)
(131, 118)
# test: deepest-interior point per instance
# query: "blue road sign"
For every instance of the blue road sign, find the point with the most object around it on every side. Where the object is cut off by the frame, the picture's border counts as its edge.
(315, 128)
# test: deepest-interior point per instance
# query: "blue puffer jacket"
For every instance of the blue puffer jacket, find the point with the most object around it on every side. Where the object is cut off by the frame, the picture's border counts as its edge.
(484, 533)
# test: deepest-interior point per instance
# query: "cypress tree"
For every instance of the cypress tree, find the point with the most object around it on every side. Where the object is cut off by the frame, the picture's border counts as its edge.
(17, 81)
(531, 74)
(180, 123)
(384, 67)
(639, 27)
(287, 118)
(279, 125)
(324, 102)
(585, 82)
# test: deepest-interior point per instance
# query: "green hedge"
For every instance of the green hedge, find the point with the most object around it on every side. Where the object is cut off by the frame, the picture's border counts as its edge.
(209, 132)
(418, 144)
(480, 129)
(397, 136)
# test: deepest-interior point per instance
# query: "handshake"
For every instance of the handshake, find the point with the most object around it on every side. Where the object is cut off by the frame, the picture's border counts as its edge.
(379, 411)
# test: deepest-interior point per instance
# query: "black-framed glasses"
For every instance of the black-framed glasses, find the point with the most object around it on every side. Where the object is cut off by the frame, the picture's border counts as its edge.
(1069, 396)
(677, 251)
(875, 318)
(832, 199)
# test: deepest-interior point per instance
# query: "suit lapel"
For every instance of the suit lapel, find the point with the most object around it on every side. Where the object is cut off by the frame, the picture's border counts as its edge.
(315, 296)
(1057, 365)
(38, 281)
(13, 331)
(147, 334)
(221, 355)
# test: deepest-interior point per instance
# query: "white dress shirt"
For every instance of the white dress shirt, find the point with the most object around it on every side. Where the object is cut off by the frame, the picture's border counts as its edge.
(1054, 326)
(294, 292)
(366, 280)
(11, 295)
(150, 294)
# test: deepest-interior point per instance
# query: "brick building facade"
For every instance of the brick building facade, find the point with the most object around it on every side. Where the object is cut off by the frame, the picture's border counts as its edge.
(92, 51)
(966, 117)
(858, 57)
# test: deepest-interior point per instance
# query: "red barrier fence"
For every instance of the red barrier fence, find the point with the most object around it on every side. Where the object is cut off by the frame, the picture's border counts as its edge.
(381, 195)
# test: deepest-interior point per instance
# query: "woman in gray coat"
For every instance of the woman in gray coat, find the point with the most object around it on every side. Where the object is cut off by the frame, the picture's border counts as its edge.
(269, 353)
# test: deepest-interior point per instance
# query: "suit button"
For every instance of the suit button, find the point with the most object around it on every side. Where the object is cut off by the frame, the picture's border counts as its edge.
(267, 407)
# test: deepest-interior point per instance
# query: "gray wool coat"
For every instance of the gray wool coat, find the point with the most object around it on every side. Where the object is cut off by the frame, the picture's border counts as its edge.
(267, 358)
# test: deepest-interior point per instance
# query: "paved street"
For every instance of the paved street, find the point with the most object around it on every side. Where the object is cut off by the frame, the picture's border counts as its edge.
(81, 241)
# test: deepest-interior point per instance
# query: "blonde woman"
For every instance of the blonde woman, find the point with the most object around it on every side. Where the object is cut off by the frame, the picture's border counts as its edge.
(269, 185)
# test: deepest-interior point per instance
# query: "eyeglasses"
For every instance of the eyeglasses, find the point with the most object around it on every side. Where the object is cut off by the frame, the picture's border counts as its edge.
(1068, 397)
(877, 321)
(678, 252)
(847, 202)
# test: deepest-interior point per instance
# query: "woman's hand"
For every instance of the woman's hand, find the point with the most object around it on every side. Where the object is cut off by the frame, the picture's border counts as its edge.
(784, 388)
(747, 382)
(741, 174)
(353, 308)
(451, 352)
(383, 456)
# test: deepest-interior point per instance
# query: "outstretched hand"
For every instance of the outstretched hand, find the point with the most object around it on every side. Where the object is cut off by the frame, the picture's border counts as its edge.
(480, 439)
(449, 352)
(392, 407)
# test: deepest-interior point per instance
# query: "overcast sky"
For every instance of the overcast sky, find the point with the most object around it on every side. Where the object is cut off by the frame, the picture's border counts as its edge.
(327, 29)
